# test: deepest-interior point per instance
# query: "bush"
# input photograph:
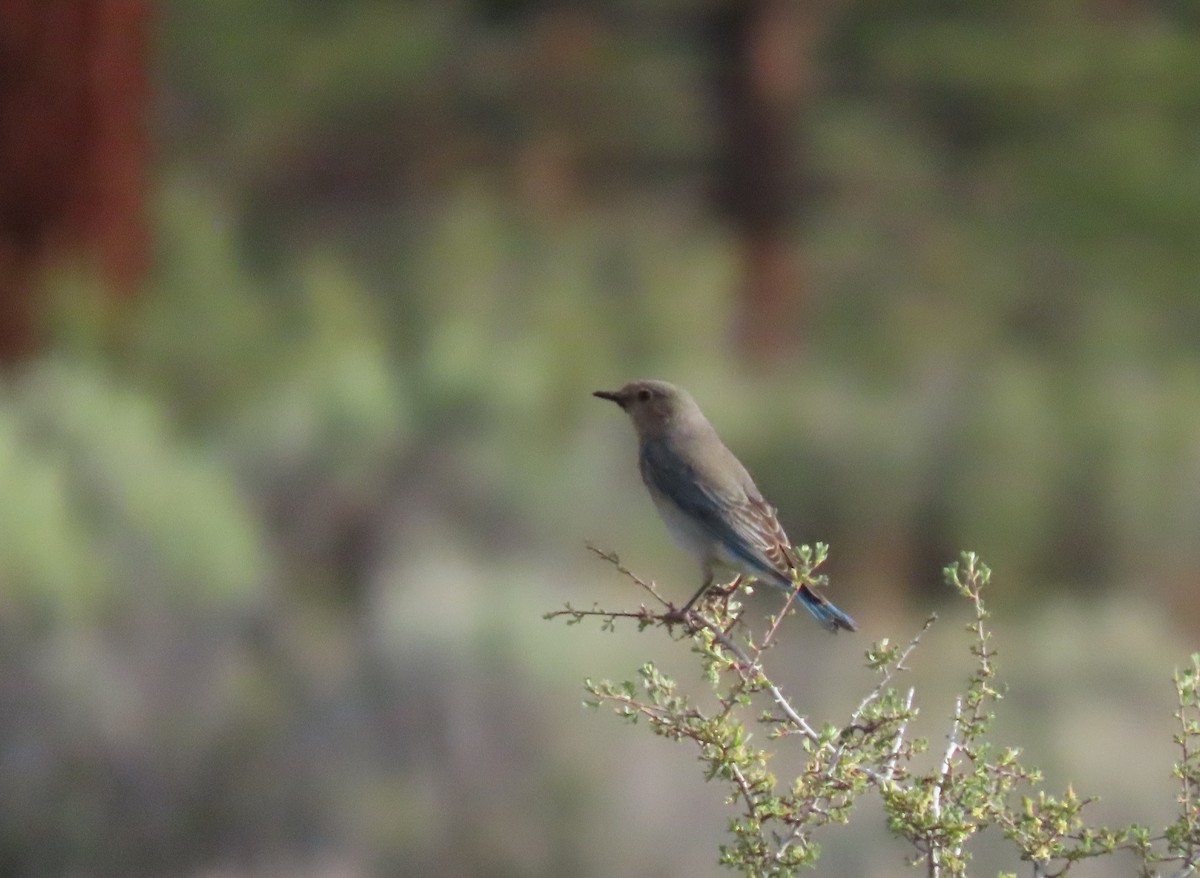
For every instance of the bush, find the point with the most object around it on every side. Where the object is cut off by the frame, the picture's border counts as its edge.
(938, 803)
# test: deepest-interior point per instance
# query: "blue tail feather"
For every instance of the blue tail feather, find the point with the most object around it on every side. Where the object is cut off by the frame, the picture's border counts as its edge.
(830, 617)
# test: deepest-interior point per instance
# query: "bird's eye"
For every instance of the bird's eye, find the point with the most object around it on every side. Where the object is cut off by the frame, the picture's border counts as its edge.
(643, 395)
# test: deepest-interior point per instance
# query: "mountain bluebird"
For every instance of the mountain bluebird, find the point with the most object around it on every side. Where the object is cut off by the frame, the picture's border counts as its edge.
(706, 498)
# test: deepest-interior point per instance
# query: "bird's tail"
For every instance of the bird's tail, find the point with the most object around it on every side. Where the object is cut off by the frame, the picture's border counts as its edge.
(830, 617)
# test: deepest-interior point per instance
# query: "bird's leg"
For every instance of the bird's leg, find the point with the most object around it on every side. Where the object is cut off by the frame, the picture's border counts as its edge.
(727, 590)
(708, 581)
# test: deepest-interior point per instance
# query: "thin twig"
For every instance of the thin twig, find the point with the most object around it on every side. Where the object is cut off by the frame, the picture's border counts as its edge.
(888, 675)
(1187, 775)
(935, 804)
(748, 665)
(744, 788)
(898, 742)
(643, 613)
(891, 671)
(778, 619)
(612, 558)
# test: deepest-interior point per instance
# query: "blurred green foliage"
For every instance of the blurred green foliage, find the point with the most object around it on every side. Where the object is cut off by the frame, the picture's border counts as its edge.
(275, 536)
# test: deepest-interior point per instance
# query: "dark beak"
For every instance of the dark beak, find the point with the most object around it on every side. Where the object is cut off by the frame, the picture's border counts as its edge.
(612, 396)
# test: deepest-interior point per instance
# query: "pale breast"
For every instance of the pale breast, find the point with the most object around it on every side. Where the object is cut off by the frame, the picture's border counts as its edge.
(689, 534)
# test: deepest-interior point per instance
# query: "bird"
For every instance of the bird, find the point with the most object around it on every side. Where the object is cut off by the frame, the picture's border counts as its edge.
(707, 499)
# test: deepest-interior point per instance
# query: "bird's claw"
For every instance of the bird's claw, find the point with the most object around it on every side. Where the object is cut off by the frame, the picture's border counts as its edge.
(676, 614)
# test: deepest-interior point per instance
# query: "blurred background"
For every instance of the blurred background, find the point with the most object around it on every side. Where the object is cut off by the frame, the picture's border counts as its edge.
(301, 307)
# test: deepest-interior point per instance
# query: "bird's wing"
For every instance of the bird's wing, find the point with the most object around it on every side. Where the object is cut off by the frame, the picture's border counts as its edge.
(739, 518)
(756, 522)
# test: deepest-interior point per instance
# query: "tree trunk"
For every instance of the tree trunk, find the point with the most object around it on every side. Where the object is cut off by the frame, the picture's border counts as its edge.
(763, 73)
(73, 95)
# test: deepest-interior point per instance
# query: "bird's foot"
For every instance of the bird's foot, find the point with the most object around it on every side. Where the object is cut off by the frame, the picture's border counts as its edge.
(734, 585)
(676, 614)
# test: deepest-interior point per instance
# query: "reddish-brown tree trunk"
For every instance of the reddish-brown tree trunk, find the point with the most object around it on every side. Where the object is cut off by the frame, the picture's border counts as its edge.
(73, 144)
(763, 53)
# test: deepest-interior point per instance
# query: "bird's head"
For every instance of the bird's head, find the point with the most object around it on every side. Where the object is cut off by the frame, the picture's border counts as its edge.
(652, 405)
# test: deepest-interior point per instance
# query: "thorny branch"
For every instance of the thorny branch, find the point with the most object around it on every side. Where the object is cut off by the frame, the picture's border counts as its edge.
(966, 790)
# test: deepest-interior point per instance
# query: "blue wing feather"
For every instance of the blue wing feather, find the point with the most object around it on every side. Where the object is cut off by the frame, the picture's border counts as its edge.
(743, 524)
(732, 514)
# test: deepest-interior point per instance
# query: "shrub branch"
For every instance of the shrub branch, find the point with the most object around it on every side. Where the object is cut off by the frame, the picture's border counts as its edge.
(973, 786)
